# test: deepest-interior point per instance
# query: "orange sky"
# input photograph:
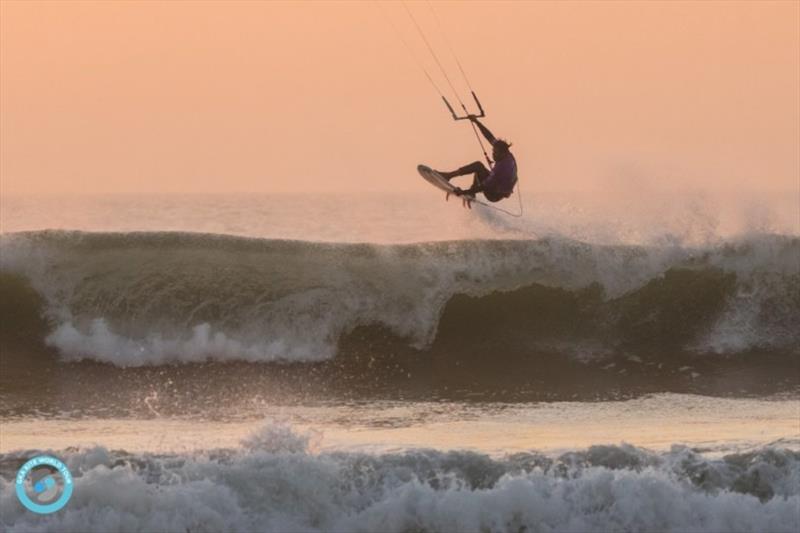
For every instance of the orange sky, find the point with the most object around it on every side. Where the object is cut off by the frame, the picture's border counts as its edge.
(306, 96)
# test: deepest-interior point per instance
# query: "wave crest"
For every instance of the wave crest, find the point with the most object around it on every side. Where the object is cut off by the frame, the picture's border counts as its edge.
(151, 298)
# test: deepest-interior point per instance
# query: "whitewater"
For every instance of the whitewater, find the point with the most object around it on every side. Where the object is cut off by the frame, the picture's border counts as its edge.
(397, 363)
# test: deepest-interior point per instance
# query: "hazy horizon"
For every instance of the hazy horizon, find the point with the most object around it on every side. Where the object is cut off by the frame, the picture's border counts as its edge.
(275, 97)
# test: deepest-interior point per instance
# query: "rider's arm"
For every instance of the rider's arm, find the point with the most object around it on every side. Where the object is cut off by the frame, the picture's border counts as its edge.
(486, 133)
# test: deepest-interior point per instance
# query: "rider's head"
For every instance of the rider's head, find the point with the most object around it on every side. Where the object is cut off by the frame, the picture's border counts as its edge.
(500, 149)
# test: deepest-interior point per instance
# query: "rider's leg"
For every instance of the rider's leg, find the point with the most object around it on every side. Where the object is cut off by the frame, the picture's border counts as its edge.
(477, 168)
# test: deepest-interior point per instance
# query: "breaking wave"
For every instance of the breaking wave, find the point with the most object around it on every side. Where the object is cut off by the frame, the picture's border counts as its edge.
(136, 299)
(276, 482)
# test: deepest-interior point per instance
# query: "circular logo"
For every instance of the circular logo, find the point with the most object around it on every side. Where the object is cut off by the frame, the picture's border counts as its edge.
(44, 484)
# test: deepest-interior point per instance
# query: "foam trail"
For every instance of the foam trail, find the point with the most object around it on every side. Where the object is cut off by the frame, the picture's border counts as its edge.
(275, 483)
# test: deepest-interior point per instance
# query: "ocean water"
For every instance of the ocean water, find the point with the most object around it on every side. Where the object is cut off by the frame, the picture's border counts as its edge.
(384, 362)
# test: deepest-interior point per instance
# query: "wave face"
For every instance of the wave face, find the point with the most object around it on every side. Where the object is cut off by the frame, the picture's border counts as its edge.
(274, 483)
(136, 299)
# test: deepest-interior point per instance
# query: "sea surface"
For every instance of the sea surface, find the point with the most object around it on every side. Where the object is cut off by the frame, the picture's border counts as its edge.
(394, 362)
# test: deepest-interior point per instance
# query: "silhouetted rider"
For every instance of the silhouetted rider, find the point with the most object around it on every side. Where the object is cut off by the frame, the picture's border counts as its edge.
(495, 184)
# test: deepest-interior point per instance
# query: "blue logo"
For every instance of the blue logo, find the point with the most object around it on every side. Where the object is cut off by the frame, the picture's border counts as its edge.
(44, 484)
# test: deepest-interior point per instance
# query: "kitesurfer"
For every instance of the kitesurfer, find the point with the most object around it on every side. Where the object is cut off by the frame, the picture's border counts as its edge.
(495, 184)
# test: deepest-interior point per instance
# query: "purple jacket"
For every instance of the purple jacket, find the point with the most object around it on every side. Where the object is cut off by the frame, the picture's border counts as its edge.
(502, 178)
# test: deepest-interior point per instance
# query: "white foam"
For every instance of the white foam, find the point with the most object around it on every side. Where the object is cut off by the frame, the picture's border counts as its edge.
(136, 299)
(274, 483)
(102, 344)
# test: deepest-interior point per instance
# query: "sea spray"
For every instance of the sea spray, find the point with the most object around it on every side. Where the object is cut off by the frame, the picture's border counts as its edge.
(279, 485)
(136, 299)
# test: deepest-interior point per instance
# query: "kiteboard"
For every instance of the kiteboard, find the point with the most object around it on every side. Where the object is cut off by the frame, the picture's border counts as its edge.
(438, 181)
(435, 179)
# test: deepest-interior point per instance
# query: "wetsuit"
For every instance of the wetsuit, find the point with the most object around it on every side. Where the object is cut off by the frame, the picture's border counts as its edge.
(497, 183)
